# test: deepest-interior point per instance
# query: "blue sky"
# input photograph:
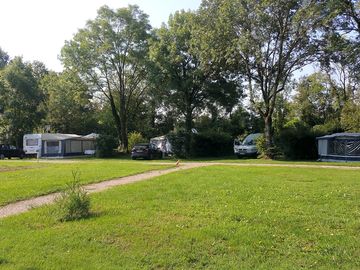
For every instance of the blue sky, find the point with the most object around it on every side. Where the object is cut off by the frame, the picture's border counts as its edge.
(37, 29)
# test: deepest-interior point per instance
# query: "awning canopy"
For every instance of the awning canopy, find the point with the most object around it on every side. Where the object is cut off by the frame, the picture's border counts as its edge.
(340, 135)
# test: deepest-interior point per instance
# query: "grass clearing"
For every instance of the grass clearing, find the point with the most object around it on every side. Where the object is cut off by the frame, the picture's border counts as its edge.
(218, 217)
(26, 179)
(233, 159)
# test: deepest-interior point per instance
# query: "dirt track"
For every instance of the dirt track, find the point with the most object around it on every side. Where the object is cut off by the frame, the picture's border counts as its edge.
(26, 205)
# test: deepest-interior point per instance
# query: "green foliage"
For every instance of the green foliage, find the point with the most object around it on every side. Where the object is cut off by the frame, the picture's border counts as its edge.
(187, 86)
(134, 138)
(20, 99)
(111, 55)
(298, 141)
(177, 141)
(266, 152)
(105, 145)
(316, 100)
(211, 144)
(68, 105)
(74, 202)
(350, 117)
(4, 58)
(249, 39)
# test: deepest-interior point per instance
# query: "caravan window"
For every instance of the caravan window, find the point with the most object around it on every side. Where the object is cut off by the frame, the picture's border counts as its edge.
(31, 142)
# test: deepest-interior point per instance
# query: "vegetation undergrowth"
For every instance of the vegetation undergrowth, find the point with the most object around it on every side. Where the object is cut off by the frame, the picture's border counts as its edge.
(73, 202)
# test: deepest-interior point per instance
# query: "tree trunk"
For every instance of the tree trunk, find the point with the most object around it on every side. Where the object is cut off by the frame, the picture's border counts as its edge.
(116, 119)
(124, 137)
(268, 131)
(188, 127)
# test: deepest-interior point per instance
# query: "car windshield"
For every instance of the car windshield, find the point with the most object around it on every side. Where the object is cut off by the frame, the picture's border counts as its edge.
(141, 146)
(251, 139)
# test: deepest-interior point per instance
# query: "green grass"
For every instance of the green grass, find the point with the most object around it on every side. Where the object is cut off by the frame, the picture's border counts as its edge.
(234, 159)
(219, 217)
(26, 179)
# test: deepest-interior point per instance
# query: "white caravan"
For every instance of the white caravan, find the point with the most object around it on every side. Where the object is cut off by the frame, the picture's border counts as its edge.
(32, 144)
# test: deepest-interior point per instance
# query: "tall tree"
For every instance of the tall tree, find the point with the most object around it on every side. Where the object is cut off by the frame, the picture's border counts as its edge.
(68, 103)
(262, 41)
(316, 101)
(20, 98)
(110, 54)
(187, 87)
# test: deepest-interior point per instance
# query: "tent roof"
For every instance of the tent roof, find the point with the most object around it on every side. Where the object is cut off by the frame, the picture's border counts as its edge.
(92, 136)
(159, 138)
(59, 136)
(344, 134)
(62, 137)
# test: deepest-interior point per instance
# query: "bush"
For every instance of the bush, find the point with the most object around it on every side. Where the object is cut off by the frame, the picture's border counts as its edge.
(134, 138)
(297, 141)
(272, 152)
(177, 141)
(211, 144)
(105, 145)
(74, 202)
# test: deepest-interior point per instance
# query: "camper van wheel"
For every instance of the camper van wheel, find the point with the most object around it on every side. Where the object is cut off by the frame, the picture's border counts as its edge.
(2, 156)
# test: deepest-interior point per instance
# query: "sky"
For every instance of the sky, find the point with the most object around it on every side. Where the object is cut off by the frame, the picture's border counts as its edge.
(37, 29)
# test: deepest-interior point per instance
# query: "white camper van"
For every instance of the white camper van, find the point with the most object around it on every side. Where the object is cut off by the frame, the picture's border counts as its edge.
(32, 144)
(248, 146)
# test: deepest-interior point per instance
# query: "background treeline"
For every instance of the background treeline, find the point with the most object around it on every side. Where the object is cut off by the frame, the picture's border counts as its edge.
(228, 69)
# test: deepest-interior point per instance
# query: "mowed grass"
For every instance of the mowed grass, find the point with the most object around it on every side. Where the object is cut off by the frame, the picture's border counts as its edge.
(218, 217)
(26, 179)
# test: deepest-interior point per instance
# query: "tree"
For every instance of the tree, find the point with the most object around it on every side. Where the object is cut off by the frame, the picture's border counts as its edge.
(110, 54)
(68, 103)
(340, 55)
(315, 101)
(262, 41)
(4, 58)
(187, 87)
(20, 98)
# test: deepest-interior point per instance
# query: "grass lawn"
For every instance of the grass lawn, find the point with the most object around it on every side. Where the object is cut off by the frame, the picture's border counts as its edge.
(218, 217)
(234, 159)
(25, 179)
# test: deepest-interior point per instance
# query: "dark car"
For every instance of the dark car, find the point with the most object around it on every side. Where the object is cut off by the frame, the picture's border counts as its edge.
(145, 151)
(9, 151)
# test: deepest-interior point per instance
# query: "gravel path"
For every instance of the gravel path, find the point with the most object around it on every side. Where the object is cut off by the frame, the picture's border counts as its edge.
(26, 205)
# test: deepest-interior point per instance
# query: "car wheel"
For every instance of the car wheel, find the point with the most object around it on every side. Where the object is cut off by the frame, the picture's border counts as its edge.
(150, 156)
(21, 156)
(133, 158)
(2, 156)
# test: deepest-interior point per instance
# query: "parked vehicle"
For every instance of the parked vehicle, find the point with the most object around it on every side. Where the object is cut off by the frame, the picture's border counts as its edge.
(10, 151)
(163, 143)
(146, 151)
(32, 144)
(247, 147)
(59, 145)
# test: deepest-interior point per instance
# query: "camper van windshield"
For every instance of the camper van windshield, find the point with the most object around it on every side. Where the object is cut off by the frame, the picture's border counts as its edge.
(31, 142)
(251, 139)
